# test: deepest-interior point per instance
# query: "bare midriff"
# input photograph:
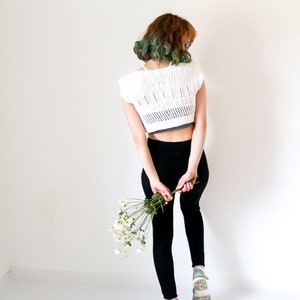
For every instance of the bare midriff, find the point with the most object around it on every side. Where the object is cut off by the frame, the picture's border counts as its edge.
(173, 135)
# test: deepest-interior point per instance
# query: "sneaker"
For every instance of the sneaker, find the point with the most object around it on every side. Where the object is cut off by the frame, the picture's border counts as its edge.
(200, 289)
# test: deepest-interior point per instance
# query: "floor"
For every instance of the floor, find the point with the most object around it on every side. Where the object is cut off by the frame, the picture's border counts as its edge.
(28, 288)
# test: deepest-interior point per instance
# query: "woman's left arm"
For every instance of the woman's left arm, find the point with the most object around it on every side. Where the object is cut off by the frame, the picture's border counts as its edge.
(198, 140)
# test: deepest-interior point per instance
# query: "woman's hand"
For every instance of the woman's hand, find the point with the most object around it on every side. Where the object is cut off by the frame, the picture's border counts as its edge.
(159, 187)
(186, 182)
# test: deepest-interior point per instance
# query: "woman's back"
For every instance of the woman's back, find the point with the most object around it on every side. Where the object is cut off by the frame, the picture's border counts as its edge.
(163, 97)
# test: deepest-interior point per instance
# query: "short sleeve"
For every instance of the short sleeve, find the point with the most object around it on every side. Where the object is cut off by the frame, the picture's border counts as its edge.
(126, 90)
(199, 75)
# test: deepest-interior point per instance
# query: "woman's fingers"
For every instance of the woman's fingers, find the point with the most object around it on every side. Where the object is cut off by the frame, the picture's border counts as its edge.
(187, 187)
(167, 196)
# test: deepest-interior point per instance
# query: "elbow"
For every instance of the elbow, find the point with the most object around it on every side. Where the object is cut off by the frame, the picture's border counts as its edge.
(200, 128)
(201, 124)
(139, 139)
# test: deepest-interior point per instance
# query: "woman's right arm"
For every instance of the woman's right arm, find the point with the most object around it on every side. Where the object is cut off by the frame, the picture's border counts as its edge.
(138, 132)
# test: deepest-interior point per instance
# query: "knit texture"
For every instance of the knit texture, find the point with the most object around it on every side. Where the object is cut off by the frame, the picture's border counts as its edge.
(164, 98)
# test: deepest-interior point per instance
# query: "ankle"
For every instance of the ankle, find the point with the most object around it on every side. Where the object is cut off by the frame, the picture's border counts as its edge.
(200, 267)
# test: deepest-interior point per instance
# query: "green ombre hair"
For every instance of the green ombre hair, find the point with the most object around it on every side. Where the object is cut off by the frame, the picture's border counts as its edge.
(163, 40)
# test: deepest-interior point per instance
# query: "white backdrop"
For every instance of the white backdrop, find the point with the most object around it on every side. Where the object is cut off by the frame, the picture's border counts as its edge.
(67, 156)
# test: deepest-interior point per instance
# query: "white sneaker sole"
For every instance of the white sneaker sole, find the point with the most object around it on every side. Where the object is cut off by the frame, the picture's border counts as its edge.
(201, 291)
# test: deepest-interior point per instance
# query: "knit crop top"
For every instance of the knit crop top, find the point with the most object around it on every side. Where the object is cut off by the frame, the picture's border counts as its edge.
(164, 98)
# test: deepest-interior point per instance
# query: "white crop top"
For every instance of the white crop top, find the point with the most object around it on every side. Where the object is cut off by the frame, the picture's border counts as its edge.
(164, 98)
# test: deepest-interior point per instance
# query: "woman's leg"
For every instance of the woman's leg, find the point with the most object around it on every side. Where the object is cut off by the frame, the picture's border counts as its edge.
(166, 157)
(162, 250)
(162, 227)
(194, 231)
(189, 203)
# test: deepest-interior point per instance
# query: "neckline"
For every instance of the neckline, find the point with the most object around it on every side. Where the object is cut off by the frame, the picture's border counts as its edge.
(166, 66)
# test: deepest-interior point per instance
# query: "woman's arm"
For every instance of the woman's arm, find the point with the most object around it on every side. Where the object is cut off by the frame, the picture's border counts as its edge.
(140, 139)
(198, 140)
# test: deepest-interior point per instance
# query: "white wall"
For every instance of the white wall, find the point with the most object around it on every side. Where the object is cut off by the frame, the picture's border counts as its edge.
(4, 260)
(67, 155)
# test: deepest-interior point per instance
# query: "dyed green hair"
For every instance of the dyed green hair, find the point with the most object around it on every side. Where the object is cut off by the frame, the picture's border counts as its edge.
(163, 40)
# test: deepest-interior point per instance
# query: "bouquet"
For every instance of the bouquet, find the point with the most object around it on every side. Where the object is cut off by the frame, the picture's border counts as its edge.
(134, 219)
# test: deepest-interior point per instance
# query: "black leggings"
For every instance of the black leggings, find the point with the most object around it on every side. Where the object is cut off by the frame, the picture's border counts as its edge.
(171, 160)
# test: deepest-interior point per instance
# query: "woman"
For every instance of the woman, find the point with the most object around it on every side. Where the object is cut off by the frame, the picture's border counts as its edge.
(165, 106)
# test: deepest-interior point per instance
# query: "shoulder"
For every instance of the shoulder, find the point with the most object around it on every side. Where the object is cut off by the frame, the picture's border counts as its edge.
(197, 69)
(195, 66)
(128, 84)
(127, 77)
(194, 73)
(133, 75)
(192, 68)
